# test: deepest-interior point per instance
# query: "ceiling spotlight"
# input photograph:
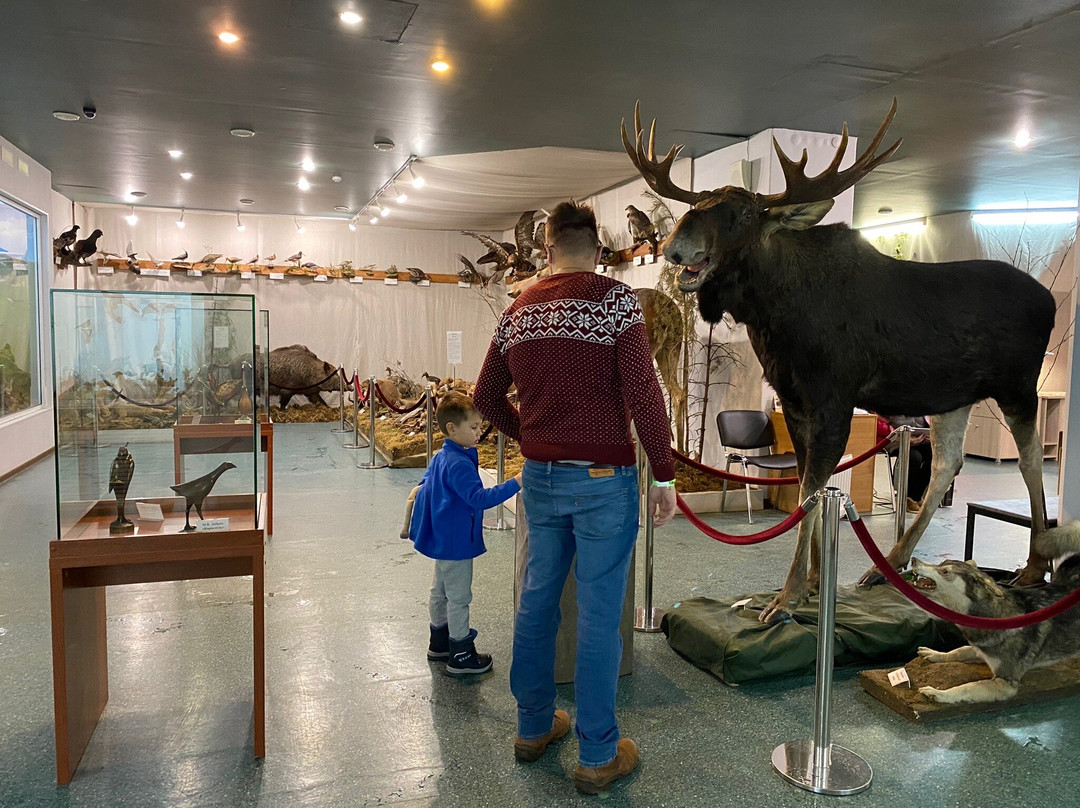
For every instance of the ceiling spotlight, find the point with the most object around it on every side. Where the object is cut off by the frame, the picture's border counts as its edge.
(884, 209)
(136, 194)
(440, 65)
(385, 211)
(307, 164)
(1022, 139)
(383, 143)
(350, 18)
(247, 201)
(341, 208)
(299, 227)
(352, 226)
(131, 218)
(239, 224)
(187, 175)
(70, 117)
(399, 197)
(336, 178)
(417, 180)
(175, 154)
(374, 220)
(180, 222)
(242, 132)
(228, 37)
(303, 184)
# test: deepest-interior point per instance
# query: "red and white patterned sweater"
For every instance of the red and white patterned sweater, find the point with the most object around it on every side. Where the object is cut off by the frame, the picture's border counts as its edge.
(575, 346)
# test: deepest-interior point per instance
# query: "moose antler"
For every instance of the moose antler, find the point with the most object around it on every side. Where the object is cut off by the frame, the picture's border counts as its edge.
(656, 174)
(830, 182)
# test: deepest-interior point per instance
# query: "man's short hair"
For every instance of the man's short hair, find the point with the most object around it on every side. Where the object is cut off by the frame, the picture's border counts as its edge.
(571, 227)
(455, 408)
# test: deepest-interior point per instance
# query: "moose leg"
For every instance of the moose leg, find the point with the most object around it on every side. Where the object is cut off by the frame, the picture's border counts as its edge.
(824, 435)
(947, 432)
(1029, 447)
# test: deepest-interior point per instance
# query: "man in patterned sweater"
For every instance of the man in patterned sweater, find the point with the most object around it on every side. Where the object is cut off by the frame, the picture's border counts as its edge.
(575, 346)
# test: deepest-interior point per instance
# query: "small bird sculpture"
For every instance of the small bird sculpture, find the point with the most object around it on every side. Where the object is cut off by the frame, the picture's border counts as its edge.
(252, 261)
(233, 259)
(641, 227)
(209, 258)
(310, 265)
(157, 264)
(132, 258)
(296, 258)
(86, 247)
(181, 257)
(120, 473)
(195, 492)
(416, 275)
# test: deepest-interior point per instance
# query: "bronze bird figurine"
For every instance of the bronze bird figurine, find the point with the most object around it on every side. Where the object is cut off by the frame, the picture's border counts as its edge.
(195, 492)
(120, 473)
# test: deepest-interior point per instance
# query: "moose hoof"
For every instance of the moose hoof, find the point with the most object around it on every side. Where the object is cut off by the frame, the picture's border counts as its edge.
(1029, 576)
(872, 577)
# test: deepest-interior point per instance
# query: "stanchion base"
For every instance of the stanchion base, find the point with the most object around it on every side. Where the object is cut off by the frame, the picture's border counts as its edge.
(847, 772)
(378, 464)
(356, 446)
(337, 430)
(497, 524)
(647, 622)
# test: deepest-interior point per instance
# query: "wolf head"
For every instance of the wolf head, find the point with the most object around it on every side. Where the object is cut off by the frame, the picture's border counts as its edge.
(958, 585)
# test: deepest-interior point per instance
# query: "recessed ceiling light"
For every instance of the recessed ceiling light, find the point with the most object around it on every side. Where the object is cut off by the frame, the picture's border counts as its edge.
(350, 18)
(440, 65)
(303, 184)
(247, 201)
(241, 132)
(341, 208)
(336, 178)
(175, 154)
(1022, 139)
(136, 194)
(383, 143)
(307, 164)
(228, 37)
(187, 175)
(70, 117)
(884, 209)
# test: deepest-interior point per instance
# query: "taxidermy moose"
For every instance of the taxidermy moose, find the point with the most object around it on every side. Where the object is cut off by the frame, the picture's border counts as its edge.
(837, 325)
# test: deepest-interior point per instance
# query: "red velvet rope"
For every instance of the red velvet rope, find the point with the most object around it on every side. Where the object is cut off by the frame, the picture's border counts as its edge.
(796, 516)
(347, 379)
(411, 408)
(310, 386)
(739, 478)
(361, 396)
(936, 609)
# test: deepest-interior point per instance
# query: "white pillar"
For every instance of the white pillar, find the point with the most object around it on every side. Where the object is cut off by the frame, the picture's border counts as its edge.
(1069, 477)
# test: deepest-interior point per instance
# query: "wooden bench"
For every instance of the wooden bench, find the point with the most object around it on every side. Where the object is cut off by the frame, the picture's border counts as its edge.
(1013, 511)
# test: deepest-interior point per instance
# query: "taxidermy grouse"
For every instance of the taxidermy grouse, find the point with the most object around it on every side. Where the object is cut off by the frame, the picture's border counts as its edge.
(195, 491)
(85, 247)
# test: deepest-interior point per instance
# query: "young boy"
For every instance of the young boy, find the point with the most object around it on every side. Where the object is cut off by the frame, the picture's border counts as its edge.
(447, 525)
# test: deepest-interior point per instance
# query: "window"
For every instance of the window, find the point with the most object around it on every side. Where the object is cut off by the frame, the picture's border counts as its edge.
(20, 247)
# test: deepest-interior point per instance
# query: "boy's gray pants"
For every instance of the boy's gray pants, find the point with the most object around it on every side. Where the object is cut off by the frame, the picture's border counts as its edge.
(451, 594)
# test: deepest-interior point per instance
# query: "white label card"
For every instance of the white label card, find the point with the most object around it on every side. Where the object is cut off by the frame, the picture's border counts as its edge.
(209, 525)
(464, 285)
(649, 259)
(321, 279)
(194, 273)
(390, 281)
(221, 337)
(105, 271)
(150, 512)
(356, 279)
(423, 283)
(247, 276)
(453, 347)
(899, 677)
(161, 273)
(277, 276)
(741, 603)
(639, 260)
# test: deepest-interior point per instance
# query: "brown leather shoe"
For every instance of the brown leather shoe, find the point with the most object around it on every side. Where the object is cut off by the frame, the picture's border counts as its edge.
(594, 779)
(528, 751)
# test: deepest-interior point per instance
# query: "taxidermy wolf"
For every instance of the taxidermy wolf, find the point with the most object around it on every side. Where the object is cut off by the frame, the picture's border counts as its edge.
(1010, 653)
(838, 325)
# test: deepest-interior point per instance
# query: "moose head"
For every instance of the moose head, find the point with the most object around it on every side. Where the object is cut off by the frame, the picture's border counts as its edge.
(728, 221)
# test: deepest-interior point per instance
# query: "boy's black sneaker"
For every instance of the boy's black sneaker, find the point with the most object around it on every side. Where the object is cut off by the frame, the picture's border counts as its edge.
(463, 656)
(439, 644)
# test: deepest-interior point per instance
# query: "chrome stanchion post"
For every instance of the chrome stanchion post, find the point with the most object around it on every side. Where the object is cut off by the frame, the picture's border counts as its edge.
(499, 523)
(430, 432)
(647, 618)
(903, 461)
(358, 442)
(341, 429)
(816, 764)
(374, 462)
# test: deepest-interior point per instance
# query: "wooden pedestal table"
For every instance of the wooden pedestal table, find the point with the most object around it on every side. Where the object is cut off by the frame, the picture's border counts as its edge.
(862, 438)
(220, 434)
(87, 560)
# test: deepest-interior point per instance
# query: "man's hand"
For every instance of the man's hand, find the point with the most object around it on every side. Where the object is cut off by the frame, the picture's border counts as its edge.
(661, 504)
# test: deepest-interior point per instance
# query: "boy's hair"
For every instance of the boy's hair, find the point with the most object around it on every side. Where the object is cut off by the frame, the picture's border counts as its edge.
(571, 228)
(455, 408)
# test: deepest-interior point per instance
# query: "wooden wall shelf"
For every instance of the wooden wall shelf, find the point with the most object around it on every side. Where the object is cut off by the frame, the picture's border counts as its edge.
(290, 271)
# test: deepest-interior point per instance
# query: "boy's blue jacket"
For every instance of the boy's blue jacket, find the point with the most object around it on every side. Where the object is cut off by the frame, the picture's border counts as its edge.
(448, 515)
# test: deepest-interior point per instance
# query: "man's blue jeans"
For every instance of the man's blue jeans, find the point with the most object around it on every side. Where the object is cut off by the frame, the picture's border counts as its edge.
(595, 517)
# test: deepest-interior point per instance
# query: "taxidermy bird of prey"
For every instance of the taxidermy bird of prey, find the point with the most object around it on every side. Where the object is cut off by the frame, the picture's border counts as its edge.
(501, 255)
(524, 235)
(86, 247)
(195, 492)
(469, 273)
(62, 242)
(641, 227)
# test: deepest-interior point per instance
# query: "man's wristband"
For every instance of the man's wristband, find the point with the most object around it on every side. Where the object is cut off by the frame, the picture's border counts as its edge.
(665, 484)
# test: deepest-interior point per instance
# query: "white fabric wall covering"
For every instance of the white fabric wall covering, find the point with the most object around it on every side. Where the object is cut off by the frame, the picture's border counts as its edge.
(365, 325)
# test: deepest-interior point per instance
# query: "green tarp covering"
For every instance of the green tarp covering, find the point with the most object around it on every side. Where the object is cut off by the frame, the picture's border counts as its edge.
(872, 626)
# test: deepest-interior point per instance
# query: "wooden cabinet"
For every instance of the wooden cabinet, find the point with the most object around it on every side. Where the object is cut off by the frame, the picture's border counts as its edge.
(989, 436)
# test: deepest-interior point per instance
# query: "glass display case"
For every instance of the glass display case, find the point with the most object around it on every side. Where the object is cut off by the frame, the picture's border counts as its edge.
(157, 429)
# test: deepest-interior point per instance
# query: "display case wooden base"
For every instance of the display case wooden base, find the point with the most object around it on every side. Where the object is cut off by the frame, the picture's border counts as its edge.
(88, 560)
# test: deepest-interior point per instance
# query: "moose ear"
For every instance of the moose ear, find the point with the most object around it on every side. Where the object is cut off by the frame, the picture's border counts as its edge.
(796, 217)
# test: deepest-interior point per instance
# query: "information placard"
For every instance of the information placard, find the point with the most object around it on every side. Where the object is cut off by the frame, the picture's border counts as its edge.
(453, 347)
